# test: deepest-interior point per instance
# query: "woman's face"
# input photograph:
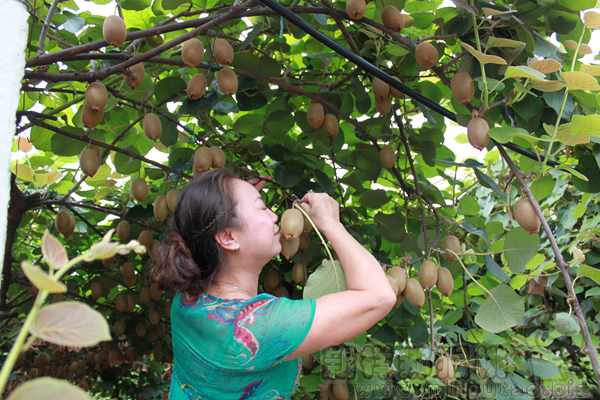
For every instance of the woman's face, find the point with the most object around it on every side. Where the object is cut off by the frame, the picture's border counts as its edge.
(258, 235)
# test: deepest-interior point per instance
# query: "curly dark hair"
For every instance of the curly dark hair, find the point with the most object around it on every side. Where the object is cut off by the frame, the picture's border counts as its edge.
(188, 256)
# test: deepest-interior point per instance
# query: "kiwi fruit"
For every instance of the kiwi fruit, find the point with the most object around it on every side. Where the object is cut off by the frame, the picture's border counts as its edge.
(525, 215)
(340, 389)
(392, 18)
(331, 125)
(91, 118)
(414, 292)
(308, 362)
(139, 189)
(304, 238)
(398, 274)
(155, 292)
(478, 132)
(96, 96)
(451, 244)
(355, 9)
(146, 238)
(196, 87)
(89, 160)
(202, 159)
(387, 157)
(299, 274)
(97, 290)
(394, 284)
(222, 51)
(135, 75)
(315, 115)
(292, 223)
(130, 302)
(537, 285)
(192, 52)
(121, 303)
(271, 280)
(383, 106)
(65, 222)
(123, 230)
(114, 30)
(426, 55)
(289, 247)
(152, 126)
(218, 157)
(381, 89)
(128, 271)
(463, 88)
(444, 369)
(172, 199)
(445, 282)
(399, 299)
(228, 81)
(160, 208)
(325, 390)
(428, 274)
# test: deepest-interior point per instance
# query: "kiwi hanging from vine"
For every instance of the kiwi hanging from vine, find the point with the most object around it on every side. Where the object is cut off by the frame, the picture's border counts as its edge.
(172, 199)
(292, 223)
(228, 81)
(381, 89)
(139, 189)
(463, 88)
(398, 274)
(134, 75)
(383, 106)
(355, 9)
(525, 215)
(331, 125)
(428, 274)
(299, 274)
(65, 222)
(123, 230)
(426, 55)
(114, 30)
(478, 132)
(271, 280)
(91, 118)
(289, 247)
(217, 157)
(192, 52)
(414, 293)
(451, 245)
(445, 281)
(387, 157)
(160, 208)
(222, 51)
(196, 87)
(96, 96)
(392, 18)
(89, 160)
(444, 369)
(202, 159)
(152, 126)
(315, 115)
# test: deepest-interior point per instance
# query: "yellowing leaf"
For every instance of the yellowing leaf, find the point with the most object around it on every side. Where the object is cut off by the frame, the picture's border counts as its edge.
(327, 278)
(567, 136)
(42, 280)
(53, 251)
(593, 69)
(547, 85)
(591, 19)
(46, 388)
(545, 66)
(580, 81)
(22, 171)
(70, 323)
(494, 41)
(522, 71)
(483, 58)
(586, 124)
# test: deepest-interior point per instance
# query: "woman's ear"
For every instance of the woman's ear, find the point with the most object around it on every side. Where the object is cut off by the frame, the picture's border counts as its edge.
(227, 240)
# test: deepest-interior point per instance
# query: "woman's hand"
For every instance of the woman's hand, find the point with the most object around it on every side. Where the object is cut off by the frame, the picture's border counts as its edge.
(322, 209)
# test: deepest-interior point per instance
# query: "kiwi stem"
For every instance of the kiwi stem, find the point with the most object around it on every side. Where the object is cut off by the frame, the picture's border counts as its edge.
(431, 323)
(478, 42)
(316, 230)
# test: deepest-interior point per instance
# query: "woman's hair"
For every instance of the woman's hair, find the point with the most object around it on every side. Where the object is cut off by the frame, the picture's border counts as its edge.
(188, 257)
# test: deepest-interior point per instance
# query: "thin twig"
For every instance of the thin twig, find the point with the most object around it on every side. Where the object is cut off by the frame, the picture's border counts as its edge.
(44, 30)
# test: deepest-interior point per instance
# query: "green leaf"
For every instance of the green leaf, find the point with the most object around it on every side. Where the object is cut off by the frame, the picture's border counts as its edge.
(327, 278)
(468, 206)
(494, 41)
(65, 146)
(125, 164)
(46, 388)
(589, 272)
(585, 125)
(502, 311)
(134, 4)
(374, 198)
(261, 66)
(543, 187)
(249, 125)
(522, 71)
(519, 248)
(41, 280)
(505, 134)
(542, 368)
(169, 87)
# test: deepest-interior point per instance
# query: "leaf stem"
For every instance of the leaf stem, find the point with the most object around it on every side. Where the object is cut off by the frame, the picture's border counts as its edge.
(478, 42)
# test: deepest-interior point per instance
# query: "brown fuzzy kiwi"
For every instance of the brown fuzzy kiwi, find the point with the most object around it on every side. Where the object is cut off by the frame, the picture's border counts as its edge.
(97, 290)
(192, 52)
(428, 274)
(392, 18)
(381, 89)
(400, 276)
(152, 126)
(396, 93)
(289, 247)
(426, 55)
(308, 362)
(114, 30)
(271, 279)
(414, 292)
(139, 189)
(96, 96)
(65, 222)
(135, 75)
(537, 286)
(407, 20)
(325, 390)
(123, 230)
(387, 157)
(172, 199)
(128, 271)
(299, 273)
(202, 159)
(463, 88)
(228, 81)
(444, 369)
(445, 282)
(160, 208)
(292, 223)
(383, 106)
(222, 51)
(196, 87)
(146, 238)
(451, 244)
(315, 115)
(89, 160)
(91, 118)
(525, 215)
(304, 239)
(394, 284)
(218, 157)
(355, 9)
(340, 389)
(331, 125)
(478, 132)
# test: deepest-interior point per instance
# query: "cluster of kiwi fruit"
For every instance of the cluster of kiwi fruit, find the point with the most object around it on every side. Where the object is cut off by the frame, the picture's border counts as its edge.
(114, 32)
(316, 117)
(165, 204)
(64, 222)
(444, 369)
(383, 95)
(207, 157)
(336, 389)
(96, 97)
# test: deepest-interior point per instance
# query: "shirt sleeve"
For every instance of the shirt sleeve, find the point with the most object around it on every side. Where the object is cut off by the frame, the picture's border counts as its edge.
(281, 328)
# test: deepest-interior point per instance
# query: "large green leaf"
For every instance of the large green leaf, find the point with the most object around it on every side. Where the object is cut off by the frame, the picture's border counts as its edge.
(520, 247)
(327, 278)
(502, 311)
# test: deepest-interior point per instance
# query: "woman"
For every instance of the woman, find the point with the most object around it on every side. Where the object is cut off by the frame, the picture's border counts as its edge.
(229, 341)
